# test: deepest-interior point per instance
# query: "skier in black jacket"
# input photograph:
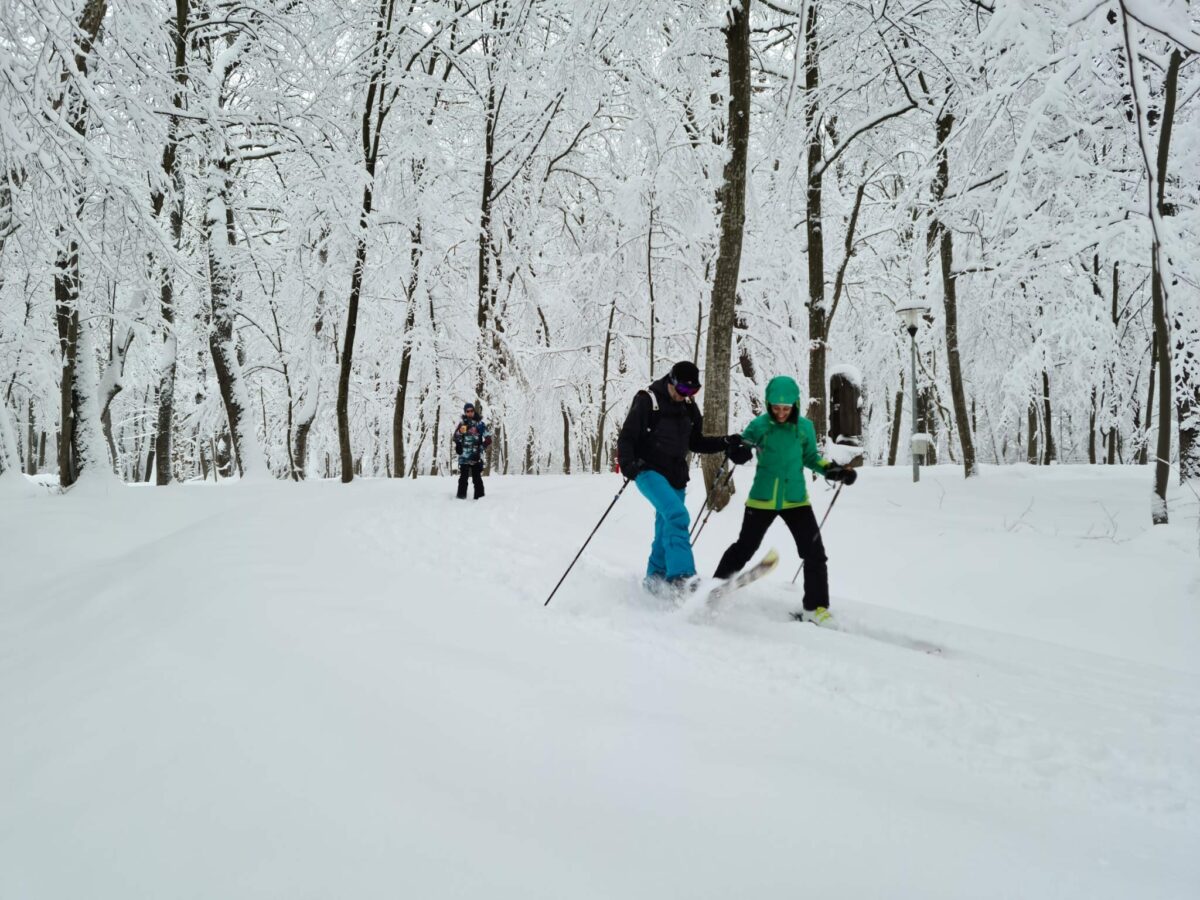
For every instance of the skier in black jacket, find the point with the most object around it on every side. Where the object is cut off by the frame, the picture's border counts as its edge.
(663, 425)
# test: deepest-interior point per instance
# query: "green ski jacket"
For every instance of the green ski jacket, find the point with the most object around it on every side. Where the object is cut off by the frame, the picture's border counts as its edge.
(784, 450)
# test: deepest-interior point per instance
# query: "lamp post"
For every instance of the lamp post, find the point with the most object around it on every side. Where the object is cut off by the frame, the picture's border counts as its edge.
(912, 313)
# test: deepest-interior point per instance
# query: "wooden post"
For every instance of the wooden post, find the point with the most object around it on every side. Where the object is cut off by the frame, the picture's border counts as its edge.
(845, 408)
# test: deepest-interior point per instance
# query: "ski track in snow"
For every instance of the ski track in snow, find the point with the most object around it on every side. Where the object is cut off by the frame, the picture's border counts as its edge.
(1050, 719)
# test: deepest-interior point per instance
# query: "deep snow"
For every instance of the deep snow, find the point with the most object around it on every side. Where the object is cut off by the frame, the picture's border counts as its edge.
(328, 691)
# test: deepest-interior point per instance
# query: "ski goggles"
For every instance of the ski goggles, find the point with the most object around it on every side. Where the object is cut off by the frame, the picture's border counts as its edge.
(685, 389)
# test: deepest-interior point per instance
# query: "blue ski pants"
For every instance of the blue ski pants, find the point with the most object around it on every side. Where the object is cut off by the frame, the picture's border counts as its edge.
(671, 552)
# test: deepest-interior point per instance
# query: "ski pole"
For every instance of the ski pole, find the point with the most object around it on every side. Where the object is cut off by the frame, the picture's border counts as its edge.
(704, 505)
(585, 543)
(728, 478)
(828, 510)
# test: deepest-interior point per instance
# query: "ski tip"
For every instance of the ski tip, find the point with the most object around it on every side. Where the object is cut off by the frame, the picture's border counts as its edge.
(772, 557)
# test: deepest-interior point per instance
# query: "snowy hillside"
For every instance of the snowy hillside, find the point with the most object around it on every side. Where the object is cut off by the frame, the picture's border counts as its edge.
(316, 690)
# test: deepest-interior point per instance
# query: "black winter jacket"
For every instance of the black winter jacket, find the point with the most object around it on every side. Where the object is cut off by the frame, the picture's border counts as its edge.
(662, 440)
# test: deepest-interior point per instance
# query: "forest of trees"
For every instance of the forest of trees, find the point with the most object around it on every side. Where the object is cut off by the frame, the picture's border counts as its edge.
(290, 238)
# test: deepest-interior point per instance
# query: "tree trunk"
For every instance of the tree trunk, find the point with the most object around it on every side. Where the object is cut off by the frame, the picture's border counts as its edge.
(1143, 454)
(106, 425)
(74, 450)
(1186, 363)
(1113, 412)
(221, 346)
(945, 242)
(402, 392)
(1162, 453)
(10, 458)
(1031, 447)
(1158, 288)
(599, 445)
(374, 112)
(897, 424)
(1049, 450)
(1187, 401)
(566, 441)
(222, 341)
(165, 427)
(650, 284)
(406, 353)
(1092, 430)
(66, 302)
(343, 395)
(818, 325)
(436, 449)
(412, 466)
(484, 311)
(310, 401)
(746, 359)
(723, 306)
(31, 448)
(111, 384)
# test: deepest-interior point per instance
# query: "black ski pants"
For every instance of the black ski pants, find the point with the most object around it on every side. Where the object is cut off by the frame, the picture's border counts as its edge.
(802, 523)
(474, 471)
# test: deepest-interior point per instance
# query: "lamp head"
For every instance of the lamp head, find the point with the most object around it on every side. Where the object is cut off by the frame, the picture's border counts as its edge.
(912, 313)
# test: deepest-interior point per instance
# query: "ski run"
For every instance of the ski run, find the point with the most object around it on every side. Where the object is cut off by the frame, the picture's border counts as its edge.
(271, 690)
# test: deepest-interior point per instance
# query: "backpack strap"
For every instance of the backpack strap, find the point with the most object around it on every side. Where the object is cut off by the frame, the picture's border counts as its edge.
(652, 419)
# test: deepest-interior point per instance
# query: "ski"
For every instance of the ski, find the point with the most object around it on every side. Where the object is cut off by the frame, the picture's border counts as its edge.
(748, 576)
(878, 634)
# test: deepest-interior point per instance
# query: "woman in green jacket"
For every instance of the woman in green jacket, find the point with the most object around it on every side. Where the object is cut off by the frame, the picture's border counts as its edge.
(786, 444)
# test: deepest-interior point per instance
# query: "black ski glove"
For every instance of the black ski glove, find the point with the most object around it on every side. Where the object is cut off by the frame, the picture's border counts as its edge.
(633, 468)
(739, 452)
(835, 472)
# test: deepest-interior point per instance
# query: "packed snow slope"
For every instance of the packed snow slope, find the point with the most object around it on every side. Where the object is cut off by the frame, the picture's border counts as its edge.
(327, 691)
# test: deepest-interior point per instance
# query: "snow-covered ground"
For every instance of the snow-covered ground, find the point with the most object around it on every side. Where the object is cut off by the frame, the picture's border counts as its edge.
(327, 691)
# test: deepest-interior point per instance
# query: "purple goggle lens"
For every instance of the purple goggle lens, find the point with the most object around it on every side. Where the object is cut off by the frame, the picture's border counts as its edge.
(687, 390)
